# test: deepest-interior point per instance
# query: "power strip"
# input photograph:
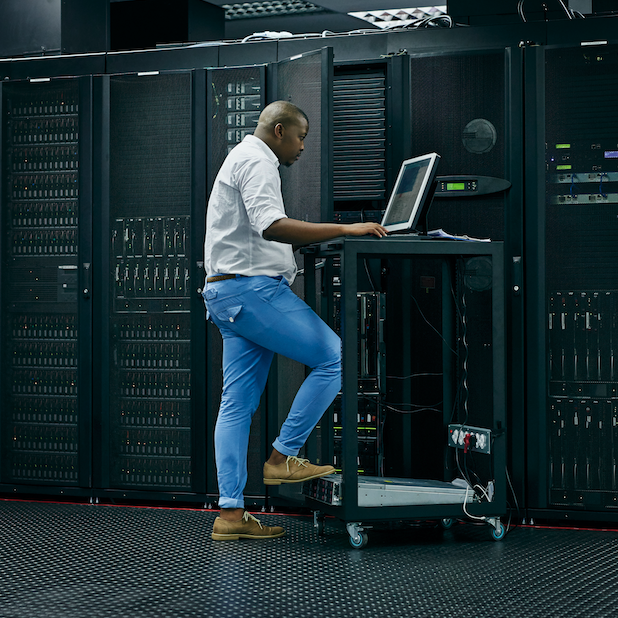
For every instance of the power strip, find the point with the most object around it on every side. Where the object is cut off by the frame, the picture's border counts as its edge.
(470, 438)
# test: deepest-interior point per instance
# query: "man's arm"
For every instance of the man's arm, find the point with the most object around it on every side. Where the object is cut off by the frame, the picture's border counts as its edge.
(299, 233)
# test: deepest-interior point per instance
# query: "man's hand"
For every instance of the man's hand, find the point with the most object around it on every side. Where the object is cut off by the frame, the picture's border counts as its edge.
(299, 233)
(363, 229)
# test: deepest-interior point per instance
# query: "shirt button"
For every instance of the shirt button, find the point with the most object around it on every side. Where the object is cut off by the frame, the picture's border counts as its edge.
(231, 319)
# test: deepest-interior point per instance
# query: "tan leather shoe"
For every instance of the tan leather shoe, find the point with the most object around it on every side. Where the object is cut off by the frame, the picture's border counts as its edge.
(246, 528)
(294, 470)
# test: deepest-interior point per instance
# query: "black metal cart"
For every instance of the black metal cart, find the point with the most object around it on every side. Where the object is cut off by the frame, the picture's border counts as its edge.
(362, 502)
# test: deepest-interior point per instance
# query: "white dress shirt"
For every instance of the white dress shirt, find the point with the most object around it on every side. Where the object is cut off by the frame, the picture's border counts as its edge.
(245, 200)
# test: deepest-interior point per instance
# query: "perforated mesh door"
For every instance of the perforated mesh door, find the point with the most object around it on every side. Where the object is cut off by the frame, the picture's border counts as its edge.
(305, 184)
(300, 81)
(235, 99)
(458, 111)
(40, 125)
(149, 415)
(150, 144)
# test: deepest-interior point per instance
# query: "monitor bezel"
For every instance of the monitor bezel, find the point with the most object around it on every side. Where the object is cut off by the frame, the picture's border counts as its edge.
(420, 206)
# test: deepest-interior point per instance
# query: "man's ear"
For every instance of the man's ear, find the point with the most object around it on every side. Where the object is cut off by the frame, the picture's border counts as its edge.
(278, 130)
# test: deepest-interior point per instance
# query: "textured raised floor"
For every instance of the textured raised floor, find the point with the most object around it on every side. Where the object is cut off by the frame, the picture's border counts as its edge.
(68, 561)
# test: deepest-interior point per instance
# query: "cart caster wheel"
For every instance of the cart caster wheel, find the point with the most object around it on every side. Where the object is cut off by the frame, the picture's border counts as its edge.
(360, 540)
(497, 533)
(447, 524)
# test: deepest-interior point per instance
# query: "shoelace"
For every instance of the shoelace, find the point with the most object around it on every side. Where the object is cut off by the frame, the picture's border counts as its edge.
(297, 461)
(247, 516)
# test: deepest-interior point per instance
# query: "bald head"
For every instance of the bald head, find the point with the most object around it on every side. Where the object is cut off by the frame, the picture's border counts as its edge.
(282, 112)
(283, 127)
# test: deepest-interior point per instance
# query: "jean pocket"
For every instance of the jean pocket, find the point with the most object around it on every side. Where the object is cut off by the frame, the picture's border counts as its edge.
(266, 288)
(222, 308)
(226, 314)
(286, 301)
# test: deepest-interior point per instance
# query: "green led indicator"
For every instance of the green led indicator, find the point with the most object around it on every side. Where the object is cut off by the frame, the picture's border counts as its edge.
(455, 186)
(562, 146)
(561, 168)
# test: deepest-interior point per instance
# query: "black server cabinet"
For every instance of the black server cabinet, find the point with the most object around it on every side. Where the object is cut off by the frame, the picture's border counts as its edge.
(572, 199)
(305, 80)
(151, 323)
(370, 116)
(467, 106)
(235, 97)
(45, 419)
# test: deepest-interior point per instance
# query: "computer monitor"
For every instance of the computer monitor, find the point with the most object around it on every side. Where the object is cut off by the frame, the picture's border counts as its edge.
(411, 197)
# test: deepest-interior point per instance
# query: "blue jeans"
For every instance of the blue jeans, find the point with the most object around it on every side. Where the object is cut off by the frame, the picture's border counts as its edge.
(258, 317)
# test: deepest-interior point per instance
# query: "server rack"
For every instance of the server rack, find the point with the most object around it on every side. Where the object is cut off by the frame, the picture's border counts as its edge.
(467, 105)
(572, 329)
(46, 259)
(306, 81)
(152, 433)
(235, 96)
(371, 371)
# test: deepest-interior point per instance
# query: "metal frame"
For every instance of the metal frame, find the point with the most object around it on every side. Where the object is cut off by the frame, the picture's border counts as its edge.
(198, 323)
(101, 335)
(350, 251)
(85, 279)
(536, 371)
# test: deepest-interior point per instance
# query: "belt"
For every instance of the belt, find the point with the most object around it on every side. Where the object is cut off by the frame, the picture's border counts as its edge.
(222, 278)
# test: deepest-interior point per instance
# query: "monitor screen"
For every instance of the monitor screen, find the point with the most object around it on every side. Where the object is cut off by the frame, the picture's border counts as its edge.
(408, 201)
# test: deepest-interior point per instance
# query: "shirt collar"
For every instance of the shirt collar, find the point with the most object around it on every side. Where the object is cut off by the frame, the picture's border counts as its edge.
(256, 141)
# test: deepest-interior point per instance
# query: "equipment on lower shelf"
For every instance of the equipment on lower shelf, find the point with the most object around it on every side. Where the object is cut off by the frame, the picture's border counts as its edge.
(382, 491)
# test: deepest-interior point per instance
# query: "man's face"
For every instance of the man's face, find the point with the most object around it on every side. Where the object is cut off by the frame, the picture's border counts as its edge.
(291, 141)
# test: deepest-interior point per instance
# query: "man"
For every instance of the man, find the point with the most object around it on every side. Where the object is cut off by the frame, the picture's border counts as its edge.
(249, 261)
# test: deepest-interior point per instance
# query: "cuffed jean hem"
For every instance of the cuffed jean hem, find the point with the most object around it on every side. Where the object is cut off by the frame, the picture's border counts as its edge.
(231, 503)
(284, 450)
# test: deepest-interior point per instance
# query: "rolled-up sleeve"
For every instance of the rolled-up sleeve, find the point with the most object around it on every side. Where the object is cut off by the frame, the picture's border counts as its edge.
(259, 184)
